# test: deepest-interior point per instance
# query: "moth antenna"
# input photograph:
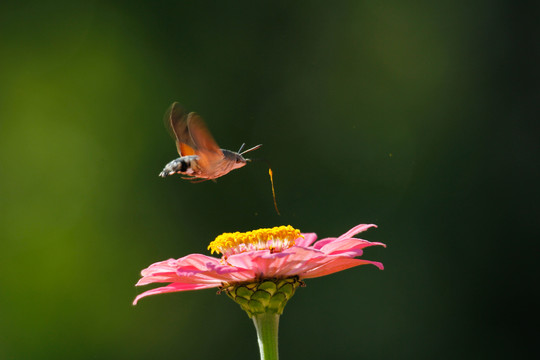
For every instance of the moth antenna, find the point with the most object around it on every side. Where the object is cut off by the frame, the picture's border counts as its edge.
(241, 147)
(253, 148)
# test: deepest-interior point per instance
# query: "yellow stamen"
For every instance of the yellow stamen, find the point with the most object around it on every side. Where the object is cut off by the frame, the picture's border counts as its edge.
(275, 239)
(273, 192)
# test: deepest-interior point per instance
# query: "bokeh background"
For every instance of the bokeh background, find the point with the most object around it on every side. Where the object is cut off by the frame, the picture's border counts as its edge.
(419, 117)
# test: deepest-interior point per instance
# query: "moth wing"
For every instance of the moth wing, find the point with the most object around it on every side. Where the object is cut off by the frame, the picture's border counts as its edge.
(203, 142)
(176, 122)
(184, 149)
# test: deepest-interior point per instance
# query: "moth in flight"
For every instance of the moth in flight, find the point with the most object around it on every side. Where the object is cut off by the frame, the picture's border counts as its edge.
(200, 158)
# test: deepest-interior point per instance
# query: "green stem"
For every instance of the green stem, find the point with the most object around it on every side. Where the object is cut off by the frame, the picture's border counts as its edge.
(267, 335)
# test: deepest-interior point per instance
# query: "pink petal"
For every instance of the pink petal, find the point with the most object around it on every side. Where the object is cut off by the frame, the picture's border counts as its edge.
(172, 288)
(260, 262)
(289, 262)
(157, 278)
(349, 234)
(300, 260)
(307, 240)
(191, 269)
(340, 246)
(197, 261)
(163, 271)
(356, 230)
(220, 273)
(319, 244)
(162, 266)
(338, 264)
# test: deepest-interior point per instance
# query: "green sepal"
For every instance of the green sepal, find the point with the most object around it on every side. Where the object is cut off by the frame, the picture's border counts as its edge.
(268, 296)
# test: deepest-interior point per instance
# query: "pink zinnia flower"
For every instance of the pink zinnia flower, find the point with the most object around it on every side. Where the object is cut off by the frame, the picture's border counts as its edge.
(252, 257)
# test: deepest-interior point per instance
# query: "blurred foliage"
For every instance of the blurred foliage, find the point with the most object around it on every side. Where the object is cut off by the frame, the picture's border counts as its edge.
(417, 116)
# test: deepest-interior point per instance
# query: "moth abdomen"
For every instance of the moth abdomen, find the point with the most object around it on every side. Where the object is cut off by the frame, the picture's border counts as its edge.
(182, 165)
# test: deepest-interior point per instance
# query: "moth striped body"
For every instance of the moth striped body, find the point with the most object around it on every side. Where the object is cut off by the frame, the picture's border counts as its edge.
(185, 165)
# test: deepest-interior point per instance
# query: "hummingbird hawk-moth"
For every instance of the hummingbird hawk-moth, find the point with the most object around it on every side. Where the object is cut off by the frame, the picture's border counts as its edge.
(200, 158)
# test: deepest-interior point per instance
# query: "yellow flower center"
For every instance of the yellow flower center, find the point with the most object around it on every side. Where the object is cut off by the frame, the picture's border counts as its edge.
(275, 239)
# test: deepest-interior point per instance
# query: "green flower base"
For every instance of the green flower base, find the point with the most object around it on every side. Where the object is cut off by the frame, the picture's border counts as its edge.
(269, 296)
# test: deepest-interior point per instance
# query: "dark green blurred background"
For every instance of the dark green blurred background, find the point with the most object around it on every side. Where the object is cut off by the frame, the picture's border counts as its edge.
(418, 117)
